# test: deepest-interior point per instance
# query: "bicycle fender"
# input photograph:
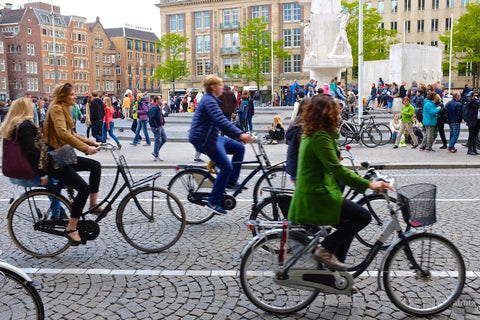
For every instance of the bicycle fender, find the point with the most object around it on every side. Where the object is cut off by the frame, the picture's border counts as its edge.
(15, 270)
(255, 240)
(408, 234)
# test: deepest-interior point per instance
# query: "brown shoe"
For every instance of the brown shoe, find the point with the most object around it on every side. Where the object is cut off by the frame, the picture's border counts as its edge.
(324, 256)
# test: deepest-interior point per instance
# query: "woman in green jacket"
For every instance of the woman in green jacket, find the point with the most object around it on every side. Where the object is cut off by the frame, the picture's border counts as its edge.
(406, 114)
(317, 198)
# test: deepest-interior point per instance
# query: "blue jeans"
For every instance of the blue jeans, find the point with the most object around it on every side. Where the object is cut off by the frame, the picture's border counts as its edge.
(142, 124)
(110, 132)
(250, 123)
(454, 133)
(228, 172)
(159, 137)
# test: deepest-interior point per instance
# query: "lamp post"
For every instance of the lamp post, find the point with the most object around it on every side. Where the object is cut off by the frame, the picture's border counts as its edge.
(360, 61)
(55, 64)
(450, 59)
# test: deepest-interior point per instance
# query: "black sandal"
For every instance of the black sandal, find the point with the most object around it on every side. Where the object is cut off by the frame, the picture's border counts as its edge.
(74, 242)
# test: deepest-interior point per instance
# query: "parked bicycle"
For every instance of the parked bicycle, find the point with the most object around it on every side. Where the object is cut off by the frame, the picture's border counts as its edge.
(275, 207)
(18, 297)
(143, 217)
(423, 273)
(370, 133)
(193, 185)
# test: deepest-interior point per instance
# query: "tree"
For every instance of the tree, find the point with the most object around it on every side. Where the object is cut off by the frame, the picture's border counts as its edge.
(466, 42)
(256, 51)
(376, 40)
(175, 66)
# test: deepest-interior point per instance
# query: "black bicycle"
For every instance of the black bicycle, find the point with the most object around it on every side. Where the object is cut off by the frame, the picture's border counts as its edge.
(370, 133)
(143, 217)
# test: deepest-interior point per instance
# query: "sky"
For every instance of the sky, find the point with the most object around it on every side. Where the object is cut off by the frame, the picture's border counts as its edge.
(112, 13)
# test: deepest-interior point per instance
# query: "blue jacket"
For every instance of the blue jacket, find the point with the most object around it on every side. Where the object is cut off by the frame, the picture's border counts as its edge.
(208, 119)
(455, 111)
(155, 117)
(429, 113)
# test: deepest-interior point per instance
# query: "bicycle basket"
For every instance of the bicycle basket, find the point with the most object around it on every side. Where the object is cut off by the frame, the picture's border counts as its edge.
(126, 169)
(417, 202)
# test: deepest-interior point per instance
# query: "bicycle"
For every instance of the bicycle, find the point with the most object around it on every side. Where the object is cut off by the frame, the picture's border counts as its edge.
(18, 297)
(368, 132)
(275, 207)
(194, 184)
(142, 216)
(423, 273)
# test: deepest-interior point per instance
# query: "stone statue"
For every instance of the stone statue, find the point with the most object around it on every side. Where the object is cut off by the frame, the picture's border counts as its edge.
(341, 47)
(306, 37)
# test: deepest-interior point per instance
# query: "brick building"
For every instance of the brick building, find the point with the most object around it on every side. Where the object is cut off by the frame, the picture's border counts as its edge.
(79, 54)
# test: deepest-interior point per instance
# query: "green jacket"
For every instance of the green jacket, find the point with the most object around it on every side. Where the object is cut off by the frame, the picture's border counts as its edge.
(408, 111)
(134, 110)
(317, 198)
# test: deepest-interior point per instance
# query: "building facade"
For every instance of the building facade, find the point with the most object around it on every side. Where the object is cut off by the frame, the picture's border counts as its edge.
(136, 60)
(79, 54)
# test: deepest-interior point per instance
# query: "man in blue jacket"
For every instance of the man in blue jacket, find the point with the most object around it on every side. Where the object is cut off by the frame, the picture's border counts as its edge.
(207, 121)
(455, 110)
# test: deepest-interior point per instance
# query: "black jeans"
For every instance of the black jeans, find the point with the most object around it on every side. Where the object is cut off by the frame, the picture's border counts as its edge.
(353, 218)
(68, 176)
(96, 128)
(441, 132)
(473, 136)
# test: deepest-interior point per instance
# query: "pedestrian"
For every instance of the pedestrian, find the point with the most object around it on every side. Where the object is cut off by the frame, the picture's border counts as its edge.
(156, 121)
(395, 126)
(108, 123)
(442, 118)
(276, 131)
(256, 98)
(97, 112)
(429, 121)
(228, 101)
(406, 115)
(142, 114)
(126, 106)
(242, 111)
(472, 118)
(455, 112)
(251, 113)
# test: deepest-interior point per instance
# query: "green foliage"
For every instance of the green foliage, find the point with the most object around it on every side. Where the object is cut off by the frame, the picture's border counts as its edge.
(376, 40)
(256, 51)
(466, 41)
(174, 66)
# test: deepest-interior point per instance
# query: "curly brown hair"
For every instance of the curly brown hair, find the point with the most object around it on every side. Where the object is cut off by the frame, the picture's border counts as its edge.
(321, 113)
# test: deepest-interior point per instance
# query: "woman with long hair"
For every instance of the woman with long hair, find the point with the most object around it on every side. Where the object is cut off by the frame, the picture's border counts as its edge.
(58, 131)
(429, 121)
(317, 197)
(108, 122)
(276, 132)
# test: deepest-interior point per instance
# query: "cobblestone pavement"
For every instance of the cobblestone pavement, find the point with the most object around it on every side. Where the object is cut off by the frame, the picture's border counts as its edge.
(198, 277)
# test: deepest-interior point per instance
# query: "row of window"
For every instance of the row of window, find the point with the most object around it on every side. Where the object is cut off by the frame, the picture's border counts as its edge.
(420, 25)
(142, 46)
(143, 59)
(58, 34)
(421, 5)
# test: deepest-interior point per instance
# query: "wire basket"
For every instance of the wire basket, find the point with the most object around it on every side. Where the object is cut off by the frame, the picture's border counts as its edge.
(123, 163)
(417, 202)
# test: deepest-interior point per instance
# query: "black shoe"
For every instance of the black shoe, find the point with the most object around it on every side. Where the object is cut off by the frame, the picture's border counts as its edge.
(431, 150)
(444, 147)
(235, 186)
(74, 242)
(470, 152)
(395, 147)
(413, 147)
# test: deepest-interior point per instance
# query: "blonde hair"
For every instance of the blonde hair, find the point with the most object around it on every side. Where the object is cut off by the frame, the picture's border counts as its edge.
(277, 120)
(139, 95)
(107, 101)
(20, 111)
(210, 82)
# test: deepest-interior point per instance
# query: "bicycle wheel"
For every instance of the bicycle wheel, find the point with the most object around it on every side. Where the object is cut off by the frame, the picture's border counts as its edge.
(434, 289)
(371, 137)
(192, 187)
(378, 208)
(147, 222)
(277, 178)
(274, 208)
(346, 133)
(258, 269)
(29, 225)
(18, 298)
(386, 133)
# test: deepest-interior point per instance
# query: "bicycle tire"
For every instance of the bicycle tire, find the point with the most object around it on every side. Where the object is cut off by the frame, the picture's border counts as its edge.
(147, 221)
(257, 271)
(376, 205)
(183, 184)
(22, 220)
(371, 137)
(19, 298)
(346, 134)
(277, 178)
(273, 208)
(422, 295)
(386, 133)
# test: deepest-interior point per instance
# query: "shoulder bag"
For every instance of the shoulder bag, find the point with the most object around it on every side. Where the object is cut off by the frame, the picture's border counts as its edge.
(62, 156)
(14, 163)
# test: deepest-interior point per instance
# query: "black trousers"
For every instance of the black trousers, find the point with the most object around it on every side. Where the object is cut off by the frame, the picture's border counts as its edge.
(441, 132)
(473, 136)
(353, 218)
(96, 128)
(69, 176)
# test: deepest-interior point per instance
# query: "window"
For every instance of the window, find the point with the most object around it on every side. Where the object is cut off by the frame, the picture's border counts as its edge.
(287, 38)
(393, 25)
(421, 5)
(4, 83)
(291, 12)
(296, 37)
(176, 22)
(199, 44)
(230, 16)
(434, 25)
(449, 3)
(129, 44)
(448, 24)
(206, 44)
(381, 25)
(435, 4)
(434, 43)
(208, 67)
(202, 19)
(381, 7)
(287, 65)
(407, 26)
(465, 69)
(137, 45)
(394, 5)
(408, 5)
(296, 63)
(259, 12)
(420, 25)
(1, 48)
(199, 68)
(2, 65)
(464, 3)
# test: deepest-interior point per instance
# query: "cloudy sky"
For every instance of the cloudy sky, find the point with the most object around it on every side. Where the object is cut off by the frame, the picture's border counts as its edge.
(112, 13)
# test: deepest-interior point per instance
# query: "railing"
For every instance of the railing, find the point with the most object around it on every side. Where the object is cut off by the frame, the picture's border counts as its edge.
(229, 26)
(230, 50)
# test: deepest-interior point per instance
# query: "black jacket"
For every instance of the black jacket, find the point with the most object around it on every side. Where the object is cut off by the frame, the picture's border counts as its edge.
(97, 110)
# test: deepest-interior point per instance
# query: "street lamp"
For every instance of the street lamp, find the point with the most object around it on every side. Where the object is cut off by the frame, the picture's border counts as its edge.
(55, 64)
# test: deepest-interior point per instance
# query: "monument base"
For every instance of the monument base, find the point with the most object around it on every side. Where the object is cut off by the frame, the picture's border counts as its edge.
(324, 70)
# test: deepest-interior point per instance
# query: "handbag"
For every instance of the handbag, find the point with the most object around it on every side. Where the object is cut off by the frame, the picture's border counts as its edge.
(63, 156)
(14, 163)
